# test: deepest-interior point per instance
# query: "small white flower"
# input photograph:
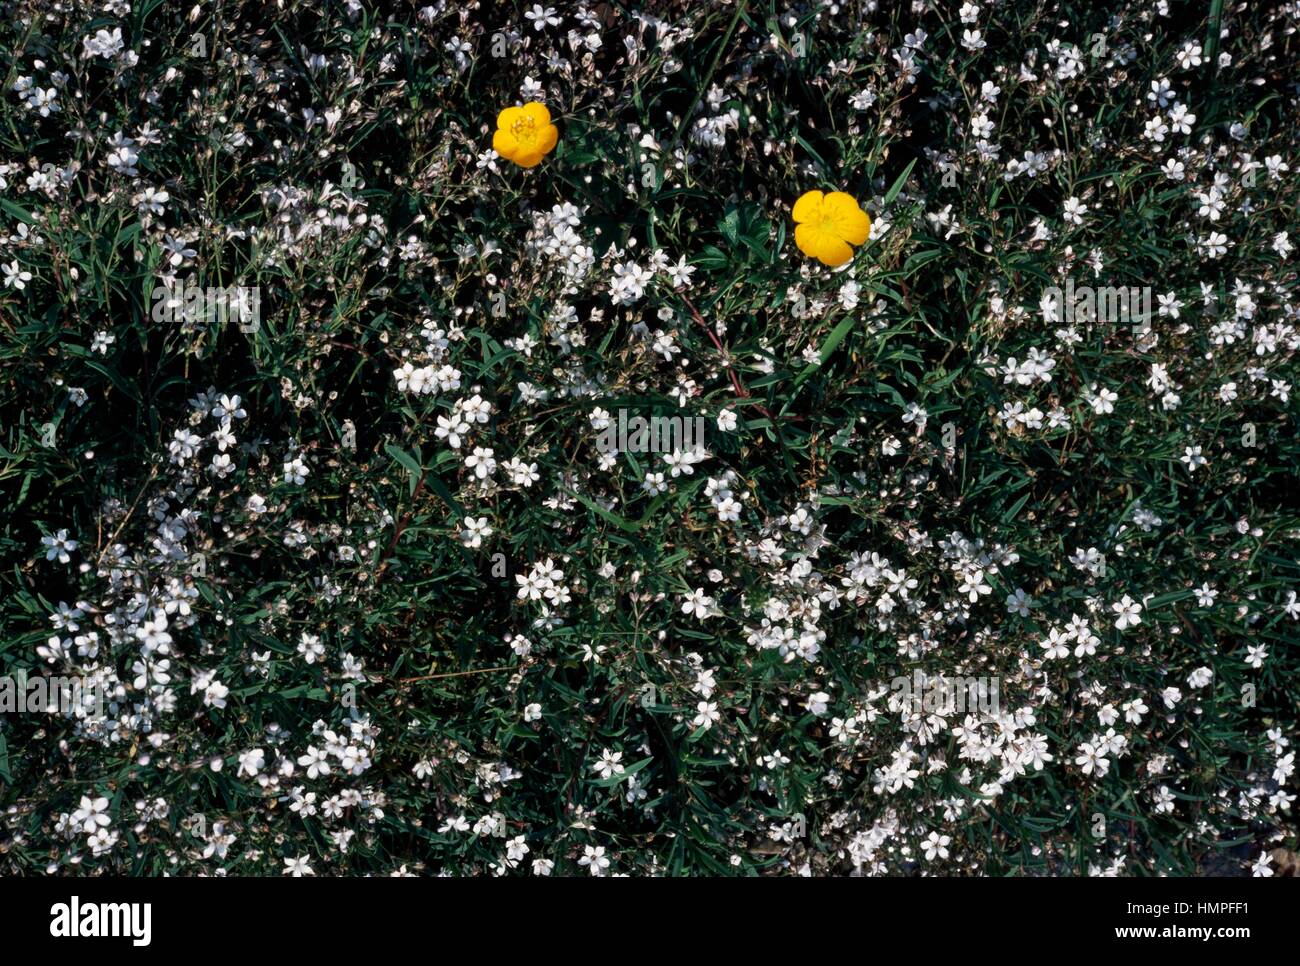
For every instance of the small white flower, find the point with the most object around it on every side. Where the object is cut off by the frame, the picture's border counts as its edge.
(475, 532)
(1128, 613)
(594, 859)
(1074, 210)
(698, 603)
(936, 846)
(16, 276)
(707, 715)
(610, 764)
(251, 762)
(296, 471)
(311, 648)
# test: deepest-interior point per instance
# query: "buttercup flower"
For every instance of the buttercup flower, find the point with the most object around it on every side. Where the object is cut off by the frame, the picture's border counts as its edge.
(826, 225)
(525, 134)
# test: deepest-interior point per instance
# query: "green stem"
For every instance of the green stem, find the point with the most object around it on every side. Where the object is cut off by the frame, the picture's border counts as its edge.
(708, 76)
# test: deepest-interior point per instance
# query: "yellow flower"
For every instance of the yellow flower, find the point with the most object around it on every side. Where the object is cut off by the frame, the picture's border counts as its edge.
(827, 224)
(525, 134)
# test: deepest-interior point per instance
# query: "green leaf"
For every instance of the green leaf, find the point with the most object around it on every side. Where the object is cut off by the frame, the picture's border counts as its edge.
(20, 213)
(838, 335)
(892, 193)
(412, 465)
(600, 511)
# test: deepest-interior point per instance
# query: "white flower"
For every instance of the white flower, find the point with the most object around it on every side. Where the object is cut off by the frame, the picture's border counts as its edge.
(58, 546)
(973, 586)
(917, 416)
(315, 761)
(541, 17)
(476, 530)
(1193, 458)
(105, 44)
(1056, 645)
(90, 816)
(310, 647)
(1090, 760)
(697, 603)
(1103, 402)
(296, 471)
(251, 762)
(707, 715)
(936, 846)
(609, 764)
(481, 462)
(1019, 603)
(1128, 613)
(16, 276)
(456, 823)
(214, 695)
(594, 859)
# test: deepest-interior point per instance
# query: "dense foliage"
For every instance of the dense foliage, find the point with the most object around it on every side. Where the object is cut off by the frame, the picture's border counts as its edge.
(363, 591)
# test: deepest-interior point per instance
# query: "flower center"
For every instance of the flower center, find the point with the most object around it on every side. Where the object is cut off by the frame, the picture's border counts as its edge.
(524, 131)
(825, 221)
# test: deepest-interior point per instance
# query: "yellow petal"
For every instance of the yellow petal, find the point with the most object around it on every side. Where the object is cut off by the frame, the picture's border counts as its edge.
(808, 206)
(504, 144)
(550, 135)
(538, 112)
(821, 245)
(850, 221)
(838, 201)
(832, 251)
(805, 236)
(509, 116)
(528, 159)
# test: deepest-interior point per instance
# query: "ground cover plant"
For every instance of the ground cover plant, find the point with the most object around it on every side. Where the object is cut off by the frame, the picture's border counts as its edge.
(736, 438)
